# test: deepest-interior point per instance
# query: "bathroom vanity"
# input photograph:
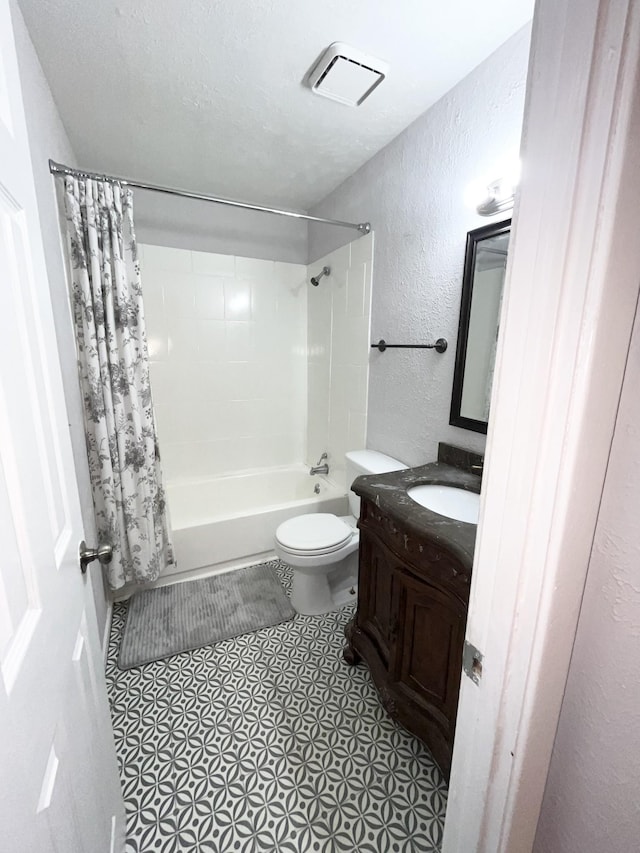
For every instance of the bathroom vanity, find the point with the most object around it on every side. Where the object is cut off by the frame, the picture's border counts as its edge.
(414, 578)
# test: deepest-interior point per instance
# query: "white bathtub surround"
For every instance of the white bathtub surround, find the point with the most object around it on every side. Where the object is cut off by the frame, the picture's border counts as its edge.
(254, 371)
(225, 522)
(339, 314)
(227, 337)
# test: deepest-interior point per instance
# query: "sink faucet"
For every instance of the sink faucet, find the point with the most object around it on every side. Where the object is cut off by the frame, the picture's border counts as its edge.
(319, 468)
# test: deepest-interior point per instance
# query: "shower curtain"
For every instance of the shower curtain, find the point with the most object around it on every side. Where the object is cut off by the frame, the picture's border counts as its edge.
(113, 367)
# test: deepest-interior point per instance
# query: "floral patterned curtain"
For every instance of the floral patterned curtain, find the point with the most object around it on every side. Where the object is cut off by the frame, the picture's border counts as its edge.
(113, 366)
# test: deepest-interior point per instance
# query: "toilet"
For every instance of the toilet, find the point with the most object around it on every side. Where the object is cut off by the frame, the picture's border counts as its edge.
(322, 548)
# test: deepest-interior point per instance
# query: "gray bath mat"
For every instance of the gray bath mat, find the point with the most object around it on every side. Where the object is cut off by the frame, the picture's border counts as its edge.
(171, 619)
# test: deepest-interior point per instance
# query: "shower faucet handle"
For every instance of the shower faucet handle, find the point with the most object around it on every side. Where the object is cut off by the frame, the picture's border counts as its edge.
(321, 467)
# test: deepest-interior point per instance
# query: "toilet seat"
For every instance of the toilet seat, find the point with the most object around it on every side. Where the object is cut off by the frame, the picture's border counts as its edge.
(317, 552)
(313, 534)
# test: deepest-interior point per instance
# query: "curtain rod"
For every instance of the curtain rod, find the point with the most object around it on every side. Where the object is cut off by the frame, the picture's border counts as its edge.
(59, 169)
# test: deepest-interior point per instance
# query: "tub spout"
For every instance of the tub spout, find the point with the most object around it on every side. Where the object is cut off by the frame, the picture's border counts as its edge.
(320, 468)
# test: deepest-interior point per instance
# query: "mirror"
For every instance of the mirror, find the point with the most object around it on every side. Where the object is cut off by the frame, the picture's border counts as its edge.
(484, 268)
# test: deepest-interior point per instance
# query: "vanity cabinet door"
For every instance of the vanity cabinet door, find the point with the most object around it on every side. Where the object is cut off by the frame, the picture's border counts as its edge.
(375, 585)
(427, 661)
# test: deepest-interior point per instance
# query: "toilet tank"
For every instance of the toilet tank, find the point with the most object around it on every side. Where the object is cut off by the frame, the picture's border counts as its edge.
(359, 462)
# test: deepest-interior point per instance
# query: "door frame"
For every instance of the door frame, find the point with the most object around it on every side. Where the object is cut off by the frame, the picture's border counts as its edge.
(570, 297)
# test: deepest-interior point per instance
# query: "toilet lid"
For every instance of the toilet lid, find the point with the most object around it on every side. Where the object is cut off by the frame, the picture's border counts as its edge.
(315, 531)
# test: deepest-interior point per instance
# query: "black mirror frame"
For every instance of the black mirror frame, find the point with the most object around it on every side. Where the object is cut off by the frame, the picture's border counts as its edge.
(473, 238)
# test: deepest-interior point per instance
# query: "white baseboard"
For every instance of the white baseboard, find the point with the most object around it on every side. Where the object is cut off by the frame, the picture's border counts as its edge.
(112, 846)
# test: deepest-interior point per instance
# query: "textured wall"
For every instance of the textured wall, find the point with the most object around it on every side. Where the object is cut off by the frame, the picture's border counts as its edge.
(47, 138)
(163, 220)
(413, 192)
(591, 798)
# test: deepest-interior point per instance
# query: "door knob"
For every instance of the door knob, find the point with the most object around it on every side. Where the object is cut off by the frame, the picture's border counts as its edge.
(103, 553)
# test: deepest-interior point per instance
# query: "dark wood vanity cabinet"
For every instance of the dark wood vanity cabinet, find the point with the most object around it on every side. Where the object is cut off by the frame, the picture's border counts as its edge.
(409, 627)
(374, 606)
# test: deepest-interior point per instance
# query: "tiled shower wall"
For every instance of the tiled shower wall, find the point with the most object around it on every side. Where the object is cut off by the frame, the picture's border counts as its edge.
(251, 366)
(339, 317)
(227, 339)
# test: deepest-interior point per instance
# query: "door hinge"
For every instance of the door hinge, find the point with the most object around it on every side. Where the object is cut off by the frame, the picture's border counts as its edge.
(472, 662)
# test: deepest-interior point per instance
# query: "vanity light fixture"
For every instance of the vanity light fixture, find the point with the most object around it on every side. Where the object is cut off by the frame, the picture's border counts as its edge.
(501, 195)
(501, 192)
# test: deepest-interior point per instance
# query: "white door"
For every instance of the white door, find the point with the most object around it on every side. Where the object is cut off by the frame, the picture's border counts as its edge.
(570, 299)
(59, 787)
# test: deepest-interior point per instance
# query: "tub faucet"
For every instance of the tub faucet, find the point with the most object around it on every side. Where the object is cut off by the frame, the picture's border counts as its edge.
(318, 468)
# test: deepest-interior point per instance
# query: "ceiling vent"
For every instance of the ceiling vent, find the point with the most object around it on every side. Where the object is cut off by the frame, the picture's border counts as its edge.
(347, 75)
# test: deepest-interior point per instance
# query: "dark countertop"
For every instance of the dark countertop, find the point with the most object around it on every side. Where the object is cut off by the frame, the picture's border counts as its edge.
(389, 493)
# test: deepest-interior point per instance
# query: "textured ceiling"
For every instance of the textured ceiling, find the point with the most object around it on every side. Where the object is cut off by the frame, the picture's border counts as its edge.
(208, 95)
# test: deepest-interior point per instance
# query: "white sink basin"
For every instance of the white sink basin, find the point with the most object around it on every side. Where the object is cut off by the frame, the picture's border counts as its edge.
(449, 501)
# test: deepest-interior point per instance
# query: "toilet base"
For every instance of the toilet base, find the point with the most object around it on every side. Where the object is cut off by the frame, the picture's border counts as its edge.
(315, 591)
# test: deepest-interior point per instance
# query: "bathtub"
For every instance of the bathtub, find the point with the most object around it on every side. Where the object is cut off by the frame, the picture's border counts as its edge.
(226, 522)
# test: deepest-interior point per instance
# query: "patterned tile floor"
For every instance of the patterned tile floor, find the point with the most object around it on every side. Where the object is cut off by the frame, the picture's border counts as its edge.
(268, 742)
